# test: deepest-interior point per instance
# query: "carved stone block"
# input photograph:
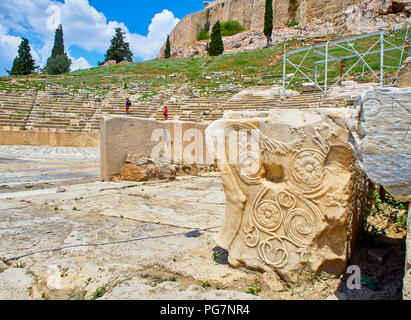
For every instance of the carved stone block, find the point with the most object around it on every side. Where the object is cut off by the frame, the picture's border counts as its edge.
(381, 131)
(294, 198)
(381, 128)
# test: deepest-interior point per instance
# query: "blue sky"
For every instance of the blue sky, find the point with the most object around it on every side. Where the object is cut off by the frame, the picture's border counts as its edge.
(88, 27)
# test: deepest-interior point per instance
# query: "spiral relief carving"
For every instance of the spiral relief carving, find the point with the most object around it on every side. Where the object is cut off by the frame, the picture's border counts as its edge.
(286, 199)
(293, 171)
(250, 166)
(299, 224)
(275, 247)
(289, 216)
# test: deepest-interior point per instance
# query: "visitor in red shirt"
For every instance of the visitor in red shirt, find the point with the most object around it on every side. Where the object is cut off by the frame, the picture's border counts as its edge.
(165, 113)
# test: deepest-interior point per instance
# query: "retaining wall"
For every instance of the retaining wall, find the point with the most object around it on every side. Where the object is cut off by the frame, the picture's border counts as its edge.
(48, 137)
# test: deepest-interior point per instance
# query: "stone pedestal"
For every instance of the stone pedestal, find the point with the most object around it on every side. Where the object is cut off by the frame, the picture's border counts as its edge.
(294, 196)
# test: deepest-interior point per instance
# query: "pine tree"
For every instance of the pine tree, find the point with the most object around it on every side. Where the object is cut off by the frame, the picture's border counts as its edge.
(216, 46)
(23, 64)
(167, 52)
(119, 49)
(59, 62)
(268, 20)
(58, 48)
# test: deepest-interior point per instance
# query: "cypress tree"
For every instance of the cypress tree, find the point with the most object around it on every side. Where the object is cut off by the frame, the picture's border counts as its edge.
(268, 20)
(23, 64)
(58, 48)
(119, 50)
(216, 46)
(59, 62)
(167, 52)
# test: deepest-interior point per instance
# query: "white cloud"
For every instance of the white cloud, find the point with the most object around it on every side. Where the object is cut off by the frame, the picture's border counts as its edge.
(79, 63)
(9, 46)
(147, 47)
(83, 26)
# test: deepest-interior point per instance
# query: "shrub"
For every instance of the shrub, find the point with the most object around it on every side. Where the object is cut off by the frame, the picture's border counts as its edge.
(203, 35)
(58, 65)
(231, 28)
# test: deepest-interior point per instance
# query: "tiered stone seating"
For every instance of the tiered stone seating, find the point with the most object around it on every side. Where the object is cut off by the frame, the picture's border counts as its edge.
(61, 111)
(191, 109)
(254, 100)
(57, 108)
(15, 108)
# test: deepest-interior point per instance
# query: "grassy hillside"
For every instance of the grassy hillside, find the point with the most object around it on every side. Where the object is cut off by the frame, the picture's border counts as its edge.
(262, 66)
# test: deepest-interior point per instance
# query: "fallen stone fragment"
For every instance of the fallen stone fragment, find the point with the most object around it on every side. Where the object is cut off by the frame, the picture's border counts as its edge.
(60, 190)
(272, 281)
(132, 172)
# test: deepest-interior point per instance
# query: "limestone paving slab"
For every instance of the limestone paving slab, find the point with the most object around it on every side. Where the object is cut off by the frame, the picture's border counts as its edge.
(63, 239)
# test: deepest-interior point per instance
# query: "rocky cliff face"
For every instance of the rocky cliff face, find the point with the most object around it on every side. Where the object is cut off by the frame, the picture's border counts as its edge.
(347, 16)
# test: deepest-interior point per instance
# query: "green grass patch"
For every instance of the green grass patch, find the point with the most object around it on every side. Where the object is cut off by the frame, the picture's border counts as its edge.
(230, 28)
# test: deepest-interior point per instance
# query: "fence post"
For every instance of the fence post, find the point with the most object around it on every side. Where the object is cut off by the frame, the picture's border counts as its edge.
(326, 69)
(382, 60)
(284, 62)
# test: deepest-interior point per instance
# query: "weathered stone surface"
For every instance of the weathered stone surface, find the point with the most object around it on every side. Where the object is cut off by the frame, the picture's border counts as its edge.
(15, 284)
(109, 63)
(404, 75)
(294, 196)
(136, 290)
(381, 128)
(132, 172)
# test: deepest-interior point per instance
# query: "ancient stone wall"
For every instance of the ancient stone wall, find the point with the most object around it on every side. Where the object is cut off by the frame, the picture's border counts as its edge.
(311, 10)
(48, 137)
(165, 141)
(250, 13)
(315, 18)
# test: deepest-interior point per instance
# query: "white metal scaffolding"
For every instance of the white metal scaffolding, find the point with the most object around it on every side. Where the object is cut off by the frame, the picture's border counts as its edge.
(346, 50)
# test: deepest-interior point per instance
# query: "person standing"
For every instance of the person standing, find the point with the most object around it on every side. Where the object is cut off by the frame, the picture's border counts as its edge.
(128, 105)
(342, 65)
(165, 113)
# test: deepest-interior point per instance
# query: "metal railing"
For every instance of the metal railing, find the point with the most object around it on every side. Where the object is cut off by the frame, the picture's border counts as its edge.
(319, 58)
